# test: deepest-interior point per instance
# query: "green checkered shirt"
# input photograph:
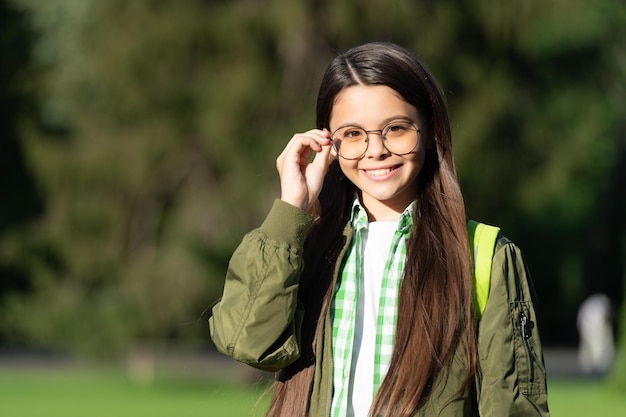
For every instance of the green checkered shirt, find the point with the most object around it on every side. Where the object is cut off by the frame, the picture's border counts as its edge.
(345, 301)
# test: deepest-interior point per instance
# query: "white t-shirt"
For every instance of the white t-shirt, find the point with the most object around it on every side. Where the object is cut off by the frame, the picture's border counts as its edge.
(376, 243)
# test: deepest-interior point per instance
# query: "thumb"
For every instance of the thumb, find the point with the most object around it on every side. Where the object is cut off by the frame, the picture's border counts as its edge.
(322, 158)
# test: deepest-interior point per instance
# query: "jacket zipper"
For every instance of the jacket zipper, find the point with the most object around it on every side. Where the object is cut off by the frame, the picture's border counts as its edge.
(526, 333)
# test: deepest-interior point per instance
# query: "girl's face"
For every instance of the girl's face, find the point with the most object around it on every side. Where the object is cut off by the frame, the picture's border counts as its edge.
(387, 181)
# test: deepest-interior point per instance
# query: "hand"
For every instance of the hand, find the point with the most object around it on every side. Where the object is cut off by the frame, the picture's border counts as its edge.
(300, 180)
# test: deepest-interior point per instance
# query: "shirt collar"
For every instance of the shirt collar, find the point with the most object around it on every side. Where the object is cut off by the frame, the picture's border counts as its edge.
(359, 221)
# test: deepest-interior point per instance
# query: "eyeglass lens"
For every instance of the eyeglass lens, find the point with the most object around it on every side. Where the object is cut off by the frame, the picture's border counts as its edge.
(351, 142)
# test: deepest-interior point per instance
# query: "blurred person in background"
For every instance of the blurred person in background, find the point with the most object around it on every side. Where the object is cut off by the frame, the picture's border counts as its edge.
(596, 351)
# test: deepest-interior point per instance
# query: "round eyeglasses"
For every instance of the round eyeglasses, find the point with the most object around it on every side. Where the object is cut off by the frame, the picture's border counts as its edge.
(398, 137)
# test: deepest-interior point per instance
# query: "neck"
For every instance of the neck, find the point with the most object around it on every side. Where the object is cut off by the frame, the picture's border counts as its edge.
(383, 211)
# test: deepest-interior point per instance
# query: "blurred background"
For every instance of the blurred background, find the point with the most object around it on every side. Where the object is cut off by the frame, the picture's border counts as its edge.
(138, 143)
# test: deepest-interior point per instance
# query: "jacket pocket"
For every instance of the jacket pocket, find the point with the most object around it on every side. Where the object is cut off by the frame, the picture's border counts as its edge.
(529, 365)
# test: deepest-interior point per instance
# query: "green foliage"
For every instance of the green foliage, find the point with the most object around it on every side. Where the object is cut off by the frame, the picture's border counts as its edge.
(154, 127)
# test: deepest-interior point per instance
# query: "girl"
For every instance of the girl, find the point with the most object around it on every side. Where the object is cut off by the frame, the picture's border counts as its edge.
(357, 289)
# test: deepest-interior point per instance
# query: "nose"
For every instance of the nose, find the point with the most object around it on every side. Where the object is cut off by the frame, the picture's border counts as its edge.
(375, 147)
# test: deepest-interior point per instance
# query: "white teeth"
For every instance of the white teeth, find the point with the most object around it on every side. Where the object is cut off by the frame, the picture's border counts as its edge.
(378, 172)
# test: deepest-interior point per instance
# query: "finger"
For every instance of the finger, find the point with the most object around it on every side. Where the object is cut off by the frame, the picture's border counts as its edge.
(302, 145)
(333, 152)
(299, 149)
(314, 140)
(322, 137)
(323, 158)
(287, 153)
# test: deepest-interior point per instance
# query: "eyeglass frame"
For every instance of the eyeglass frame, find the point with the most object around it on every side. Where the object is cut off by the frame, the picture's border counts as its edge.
(382, 137)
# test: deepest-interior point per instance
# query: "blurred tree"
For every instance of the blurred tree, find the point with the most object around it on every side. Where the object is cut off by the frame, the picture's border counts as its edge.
(156, 124)
(154, 142)
(21, 199)
(549, 161)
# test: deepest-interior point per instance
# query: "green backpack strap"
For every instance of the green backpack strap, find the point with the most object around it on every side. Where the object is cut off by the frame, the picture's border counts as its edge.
(482, 243)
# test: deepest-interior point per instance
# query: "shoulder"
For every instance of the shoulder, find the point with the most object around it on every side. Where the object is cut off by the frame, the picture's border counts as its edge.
(510, 271)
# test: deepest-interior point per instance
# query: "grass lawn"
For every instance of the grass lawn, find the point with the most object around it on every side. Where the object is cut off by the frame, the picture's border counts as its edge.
(31, 393)
(584, 397)
(100, 393)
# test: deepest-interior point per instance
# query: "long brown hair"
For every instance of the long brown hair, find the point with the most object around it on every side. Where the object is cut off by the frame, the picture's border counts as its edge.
(435, 296)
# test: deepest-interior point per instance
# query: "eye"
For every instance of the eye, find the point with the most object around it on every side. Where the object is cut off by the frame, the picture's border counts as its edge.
(353, 133)
(398, 128)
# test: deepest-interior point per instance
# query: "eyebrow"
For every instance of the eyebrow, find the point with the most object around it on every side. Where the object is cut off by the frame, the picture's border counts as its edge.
(383, 123)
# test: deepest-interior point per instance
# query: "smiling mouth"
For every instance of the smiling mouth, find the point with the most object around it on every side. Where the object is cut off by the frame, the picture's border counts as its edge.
(379, 172)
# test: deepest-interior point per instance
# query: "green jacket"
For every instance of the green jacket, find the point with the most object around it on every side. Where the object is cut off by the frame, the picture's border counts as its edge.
(260, 307)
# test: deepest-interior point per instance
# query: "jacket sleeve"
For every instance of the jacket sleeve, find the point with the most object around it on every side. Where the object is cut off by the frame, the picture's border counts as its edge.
(257, 320)
(512, 378)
